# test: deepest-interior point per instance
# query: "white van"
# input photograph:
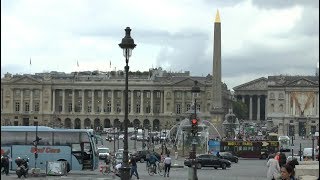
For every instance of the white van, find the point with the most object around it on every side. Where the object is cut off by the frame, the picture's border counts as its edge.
(307, 152)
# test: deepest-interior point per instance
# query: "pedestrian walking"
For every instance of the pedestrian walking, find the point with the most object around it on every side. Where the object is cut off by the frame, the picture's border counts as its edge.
(273, 168)
(167, 165)
(134, 167)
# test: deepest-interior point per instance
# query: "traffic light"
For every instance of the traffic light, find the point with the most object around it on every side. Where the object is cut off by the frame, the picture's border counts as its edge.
(35, 143)
(194, 126)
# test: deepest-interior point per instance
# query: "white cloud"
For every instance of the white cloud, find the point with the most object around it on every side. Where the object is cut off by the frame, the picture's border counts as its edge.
(174, 34)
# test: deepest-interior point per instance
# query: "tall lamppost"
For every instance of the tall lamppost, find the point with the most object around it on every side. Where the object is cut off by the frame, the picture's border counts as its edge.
(127, 44)
(194, 126)
(312, 147)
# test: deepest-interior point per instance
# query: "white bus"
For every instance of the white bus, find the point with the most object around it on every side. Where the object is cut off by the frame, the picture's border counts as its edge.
(76, 146)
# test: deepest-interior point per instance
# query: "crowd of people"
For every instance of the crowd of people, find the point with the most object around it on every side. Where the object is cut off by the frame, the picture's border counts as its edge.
(279, 169)
(151, 160)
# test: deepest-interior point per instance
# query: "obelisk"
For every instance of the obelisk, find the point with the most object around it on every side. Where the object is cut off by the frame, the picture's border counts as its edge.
(217, 110)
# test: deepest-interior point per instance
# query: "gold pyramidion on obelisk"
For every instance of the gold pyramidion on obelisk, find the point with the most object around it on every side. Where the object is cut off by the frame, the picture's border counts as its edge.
(217, 17)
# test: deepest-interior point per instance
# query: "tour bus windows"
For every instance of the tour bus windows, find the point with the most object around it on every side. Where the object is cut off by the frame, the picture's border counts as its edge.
(250, 148)
(46, 138)
(16, 138)
(244, 148)
(240, 148)
(76, 147)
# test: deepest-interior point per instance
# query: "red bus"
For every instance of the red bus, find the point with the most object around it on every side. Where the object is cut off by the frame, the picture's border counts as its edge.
(250, 149)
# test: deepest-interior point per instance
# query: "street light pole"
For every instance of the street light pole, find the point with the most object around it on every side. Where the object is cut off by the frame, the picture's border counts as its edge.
(135, 139)
(195, 89)
(127, 44)
(312, 147)
(114, 140)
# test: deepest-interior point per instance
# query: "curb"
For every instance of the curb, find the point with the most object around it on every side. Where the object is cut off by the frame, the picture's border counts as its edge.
(177, 166)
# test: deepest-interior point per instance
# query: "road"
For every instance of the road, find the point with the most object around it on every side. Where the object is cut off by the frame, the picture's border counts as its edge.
(252, 169)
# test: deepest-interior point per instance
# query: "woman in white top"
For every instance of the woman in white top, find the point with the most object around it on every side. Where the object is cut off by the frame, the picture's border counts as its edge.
(273, 169)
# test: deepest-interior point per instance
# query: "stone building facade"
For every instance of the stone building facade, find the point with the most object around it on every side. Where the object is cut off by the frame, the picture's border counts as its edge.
(290, 103)
(157, 99)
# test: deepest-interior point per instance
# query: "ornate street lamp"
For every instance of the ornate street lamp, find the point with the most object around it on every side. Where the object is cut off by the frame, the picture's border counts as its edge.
(127, 45)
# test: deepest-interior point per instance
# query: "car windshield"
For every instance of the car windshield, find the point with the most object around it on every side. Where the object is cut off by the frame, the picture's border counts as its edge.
(104, 150)
(119, 155)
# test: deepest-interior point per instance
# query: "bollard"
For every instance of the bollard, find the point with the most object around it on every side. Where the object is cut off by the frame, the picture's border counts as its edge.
(176, 155)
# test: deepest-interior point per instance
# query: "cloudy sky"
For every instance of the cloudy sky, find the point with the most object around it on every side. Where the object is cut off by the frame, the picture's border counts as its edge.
(259, 37)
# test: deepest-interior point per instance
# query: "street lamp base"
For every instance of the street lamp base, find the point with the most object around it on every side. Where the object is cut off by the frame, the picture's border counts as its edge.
(125, 173)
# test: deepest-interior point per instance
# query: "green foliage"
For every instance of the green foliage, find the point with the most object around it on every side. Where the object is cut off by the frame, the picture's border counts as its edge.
(240, 109)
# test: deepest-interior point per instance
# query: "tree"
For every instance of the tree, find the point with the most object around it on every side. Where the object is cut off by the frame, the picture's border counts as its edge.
(240, 109)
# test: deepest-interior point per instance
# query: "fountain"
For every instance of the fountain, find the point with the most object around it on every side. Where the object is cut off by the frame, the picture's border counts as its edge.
(181, 133)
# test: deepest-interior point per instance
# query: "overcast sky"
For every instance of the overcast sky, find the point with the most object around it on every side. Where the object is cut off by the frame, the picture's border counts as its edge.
(259, 38)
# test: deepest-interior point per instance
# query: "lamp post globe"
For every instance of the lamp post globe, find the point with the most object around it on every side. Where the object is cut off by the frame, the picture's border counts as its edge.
(127, 45)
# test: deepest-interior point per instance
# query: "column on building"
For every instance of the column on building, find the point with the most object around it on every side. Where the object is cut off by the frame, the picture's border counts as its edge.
(132, 96)
(258, 107)
(41, 102)
(73, 101)
(82, 107)
(63, 100)
(122, 100)
(142, 102)
(165, 102)
(293, 107)
(92, 102)
(266, 106)
(112, 101)
(161, 101)
(53, 100)
(183, 107)
(102, 101)
(287, 103)
(250, 108)
(151, 105)
(317, 106)
(21, 100)
(172, 102)
(31, 100)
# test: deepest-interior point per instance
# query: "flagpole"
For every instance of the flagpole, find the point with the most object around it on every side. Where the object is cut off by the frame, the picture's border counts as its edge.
(30, 67)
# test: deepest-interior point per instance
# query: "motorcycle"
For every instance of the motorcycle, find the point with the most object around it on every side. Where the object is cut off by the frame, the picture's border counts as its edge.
(22, 167)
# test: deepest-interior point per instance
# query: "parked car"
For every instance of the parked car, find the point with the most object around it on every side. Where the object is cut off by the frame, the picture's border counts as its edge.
(103, 152)
(289, 158)
(109, 138)
(229, 156)
(209, 160)
(121, 136)
(118, 157)
(141, 155)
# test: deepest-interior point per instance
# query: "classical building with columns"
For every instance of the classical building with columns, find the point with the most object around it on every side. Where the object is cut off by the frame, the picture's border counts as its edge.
(157, 99)
(290, 103)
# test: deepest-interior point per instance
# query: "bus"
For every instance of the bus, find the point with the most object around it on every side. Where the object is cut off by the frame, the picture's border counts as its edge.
(250, 149)
(284, 143)
(76, 146)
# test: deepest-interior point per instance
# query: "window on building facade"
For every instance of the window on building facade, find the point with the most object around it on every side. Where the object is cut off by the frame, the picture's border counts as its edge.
(60, 108)
(118, 108)
(69, 107)
(313, 121)
(79, 107)
(157, 108)
(108, 107)
(17, 106)
(15, 123)
(148, 94)
(26, 106)
(89, 94)
(291, 121)
(138, 108)
(109, 94)
(198, 107)
(99, 94)
(26, 93)
(98, 108)
(281, 108)
(178, 108)
(138, 94)
(272, 107)
(188, 107)
(16, 117)
(36, 106)
(148, 109)
(168, 107)
(60, 93)
(35, 117)
(89, 108)
(158, 94)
